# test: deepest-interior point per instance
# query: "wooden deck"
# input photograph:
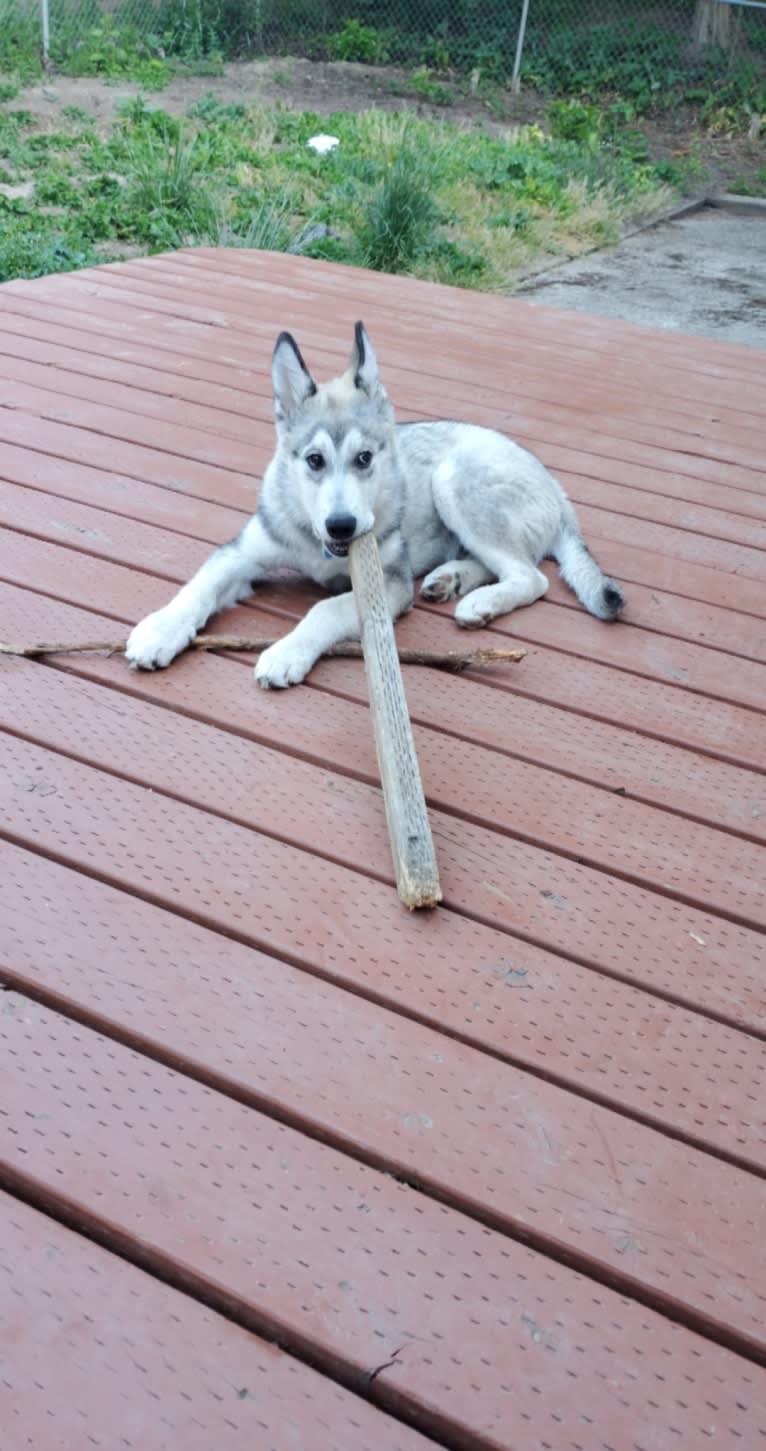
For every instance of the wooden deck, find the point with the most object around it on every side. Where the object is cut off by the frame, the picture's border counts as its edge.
(283, 1166)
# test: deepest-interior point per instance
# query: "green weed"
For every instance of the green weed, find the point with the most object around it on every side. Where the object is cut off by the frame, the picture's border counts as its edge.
(169, 188)
(37, 253)
(754, 185)
(357, 42)
(399, 221)
(267, 228)
(431, 90)
(398, 194)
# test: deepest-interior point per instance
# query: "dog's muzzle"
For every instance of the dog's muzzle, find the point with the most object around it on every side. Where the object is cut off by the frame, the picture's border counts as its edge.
(340, 530)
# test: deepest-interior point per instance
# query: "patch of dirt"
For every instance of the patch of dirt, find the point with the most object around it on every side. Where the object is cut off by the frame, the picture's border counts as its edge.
(724, 159)
(321, 86)
(326, 86)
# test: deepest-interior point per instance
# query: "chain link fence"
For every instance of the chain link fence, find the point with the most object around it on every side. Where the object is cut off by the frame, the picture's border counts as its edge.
(639, 51)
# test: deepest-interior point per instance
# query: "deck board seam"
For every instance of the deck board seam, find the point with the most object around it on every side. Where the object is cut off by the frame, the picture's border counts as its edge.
(530, 427)
(193, 1285)
(208, 920)
(258, 600)
(557, 648)
(160, 283)
(479, 679)
(685, 1315)
(46, 413)
(110, 508)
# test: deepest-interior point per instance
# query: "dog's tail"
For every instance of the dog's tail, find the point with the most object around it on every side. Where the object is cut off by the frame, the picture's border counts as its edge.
(597, 592)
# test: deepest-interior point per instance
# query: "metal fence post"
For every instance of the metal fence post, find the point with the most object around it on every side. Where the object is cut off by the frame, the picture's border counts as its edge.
(46, 30)
(515, 79)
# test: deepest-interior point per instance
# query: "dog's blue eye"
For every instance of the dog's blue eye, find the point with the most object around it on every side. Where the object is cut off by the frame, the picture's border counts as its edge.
(315, 461)
(363, 459)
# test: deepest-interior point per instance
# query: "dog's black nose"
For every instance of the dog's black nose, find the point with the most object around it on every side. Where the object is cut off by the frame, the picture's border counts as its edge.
(340, 527)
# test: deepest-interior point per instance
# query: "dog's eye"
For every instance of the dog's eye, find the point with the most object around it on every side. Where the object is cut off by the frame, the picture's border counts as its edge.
(315, 461)
(363, 459)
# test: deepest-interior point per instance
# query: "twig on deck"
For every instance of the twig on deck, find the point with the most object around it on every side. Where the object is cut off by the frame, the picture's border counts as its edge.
(451, 660)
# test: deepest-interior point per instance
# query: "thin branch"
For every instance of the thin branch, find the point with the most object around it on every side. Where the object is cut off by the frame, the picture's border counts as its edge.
(452, 660)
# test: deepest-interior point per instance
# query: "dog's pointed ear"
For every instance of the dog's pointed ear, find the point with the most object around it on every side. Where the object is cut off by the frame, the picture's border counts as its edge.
(292, 381)
(364, 364)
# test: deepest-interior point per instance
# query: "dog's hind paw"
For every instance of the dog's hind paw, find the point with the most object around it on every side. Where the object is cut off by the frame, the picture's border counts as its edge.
(440, 585)
(474, 612)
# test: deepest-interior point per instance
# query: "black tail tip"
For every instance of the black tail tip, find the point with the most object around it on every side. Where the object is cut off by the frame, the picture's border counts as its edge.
(614, 600)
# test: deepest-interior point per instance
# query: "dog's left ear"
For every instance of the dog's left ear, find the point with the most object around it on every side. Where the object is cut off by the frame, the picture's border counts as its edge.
(292, 381)
(364, 364)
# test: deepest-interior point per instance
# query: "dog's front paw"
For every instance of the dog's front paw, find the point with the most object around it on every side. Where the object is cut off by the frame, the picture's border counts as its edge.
(156, 640)
(281, 665)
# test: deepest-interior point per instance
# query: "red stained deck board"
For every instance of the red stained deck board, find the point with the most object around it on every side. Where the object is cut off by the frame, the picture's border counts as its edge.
(655, 605)
(173, 473)
(415, 302)
(65, 479)
(659, 656)
(332, 732)
(626, 462)
(76, 361)
(341, 818)
(666, 712)
(649, 607)
(200, 872)
(186, 434)
(121, 297)
(240, 388)
(651, 847)
(733, 514)
(96, 1352)
(708, 869)
(323, 914)
(527, 1157)
(313, 723)
(475, 1335)
(75, 429)
(709, 393)
(735, 383)
(646, 444)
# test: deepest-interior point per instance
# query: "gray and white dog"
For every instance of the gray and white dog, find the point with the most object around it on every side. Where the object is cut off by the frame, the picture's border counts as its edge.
(462, 505)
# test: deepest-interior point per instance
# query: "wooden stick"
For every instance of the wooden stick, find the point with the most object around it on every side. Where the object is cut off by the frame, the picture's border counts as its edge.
(451, 660)
(412, 848)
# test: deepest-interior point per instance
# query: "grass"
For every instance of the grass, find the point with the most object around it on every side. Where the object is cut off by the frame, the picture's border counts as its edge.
(754, 185)
(399, 194)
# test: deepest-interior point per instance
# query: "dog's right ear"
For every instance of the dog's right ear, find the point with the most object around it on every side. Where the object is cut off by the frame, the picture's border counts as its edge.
(292, 381)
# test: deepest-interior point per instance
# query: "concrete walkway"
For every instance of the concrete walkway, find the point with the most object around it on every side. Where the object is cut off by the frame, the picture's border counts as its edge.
(703, 273)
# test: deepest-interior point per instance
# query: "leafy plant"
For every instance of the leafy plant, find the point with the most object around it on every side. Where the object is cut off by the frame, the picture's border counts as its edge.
(111, 49)
(37, 253)
(574, 120)
(434, 91)
(357, 42)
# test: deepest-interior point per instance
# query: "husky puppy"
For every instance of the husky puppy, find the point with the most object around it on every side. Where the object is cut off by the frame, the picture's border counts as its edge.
(462, 505)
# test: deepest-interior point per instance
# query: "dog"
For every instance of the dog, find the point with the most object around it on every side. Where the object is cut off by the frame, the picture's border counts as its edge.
(461, 505)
